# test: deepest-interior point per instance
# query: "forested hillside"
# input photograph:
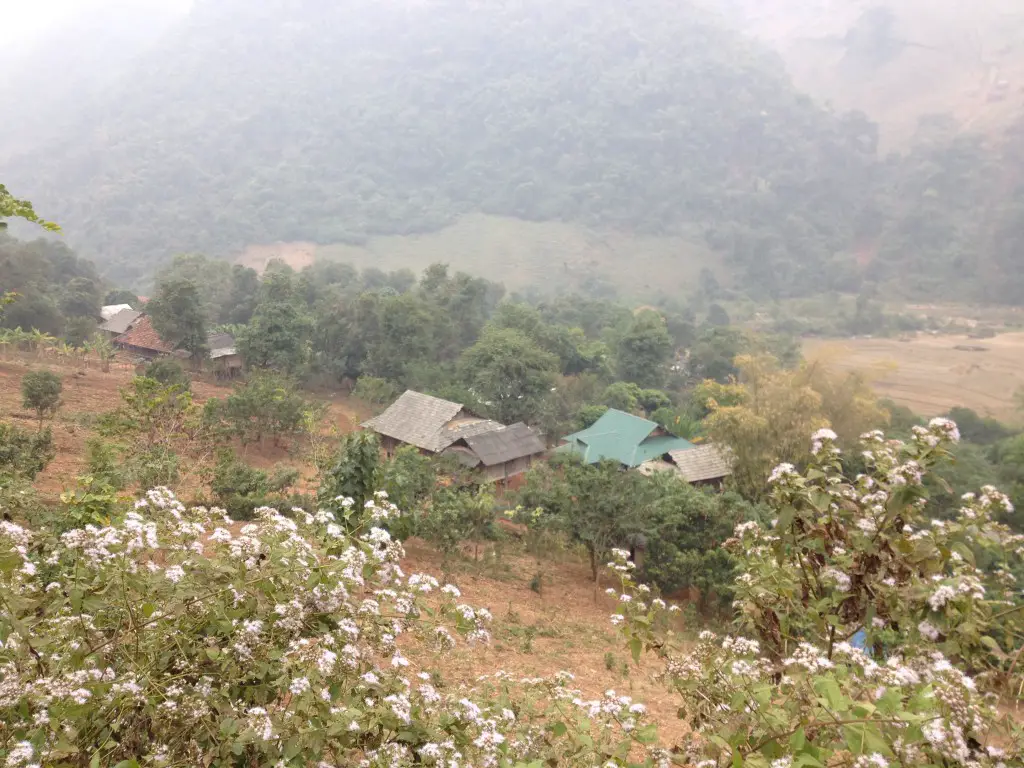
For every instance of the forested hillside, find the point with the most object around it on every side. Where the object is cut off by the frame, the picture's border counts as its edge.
(293, 120)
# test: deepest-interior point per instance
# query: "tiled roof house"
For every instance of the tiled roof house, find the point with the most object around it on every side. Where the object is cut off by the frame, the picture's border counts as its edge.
(440, 426)
(142, 339)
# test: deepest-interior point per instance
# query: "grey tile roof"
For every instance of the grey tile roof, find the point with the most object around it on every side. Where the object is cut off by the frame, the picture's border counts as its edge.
(218, 341)
(702, 462)
(121, 322)
(417, 419)
(470, 427)
(505, 444)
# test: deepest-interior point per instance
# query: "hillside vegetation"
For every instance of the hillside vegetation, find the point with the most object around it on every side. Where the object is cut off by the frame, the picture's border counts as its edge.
(251, 124)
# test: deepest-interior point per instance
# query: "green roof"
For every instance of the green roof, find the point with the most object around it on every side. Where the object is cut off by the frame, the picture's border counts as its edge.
(622, 437)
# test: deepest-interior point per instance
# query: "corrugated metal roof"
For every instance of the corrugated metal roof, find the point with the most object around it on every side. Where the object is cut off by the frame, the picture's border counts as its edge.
(121, 322)
(622, 437)
(506, 444)
(142, 335)
(108, 311)
(417, 419)
(702, 462)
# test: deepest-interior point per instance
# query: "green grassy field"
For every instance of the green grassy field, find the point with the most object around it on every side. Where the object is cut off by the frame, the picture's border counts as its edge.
(544, 255)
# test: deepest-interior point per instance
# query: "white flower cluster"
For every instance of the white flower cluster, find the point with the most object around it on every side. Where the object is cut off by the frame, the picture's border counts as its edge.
(824, 437)
(782, 473)
(181, 621)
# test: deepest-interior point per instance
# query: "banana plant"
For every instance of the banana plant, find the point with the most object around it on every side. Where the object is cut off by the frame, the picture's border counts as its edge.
(40, 341)
(103, 349)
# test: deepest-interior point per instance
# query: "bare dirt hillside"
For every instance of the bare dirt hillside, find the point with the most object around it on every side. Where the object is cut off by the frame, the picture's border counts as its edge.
(930, 375)
(899, 60)
(564, 626)
(89, 392)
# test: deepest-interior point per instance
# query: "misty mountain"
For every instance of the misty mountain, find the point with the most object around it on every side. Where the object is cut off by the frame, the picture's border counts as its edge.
(57, 79)
(300, 120)
(898, 60)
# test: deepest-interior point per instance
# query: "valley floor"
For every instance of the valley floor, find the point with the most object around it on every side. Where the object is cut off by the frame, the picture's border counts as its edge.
(931, 374)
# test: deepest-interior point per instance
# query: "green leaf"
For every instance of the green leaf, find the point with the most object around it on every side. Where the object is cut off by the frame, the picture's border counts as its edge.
(798, 739)
(806, 760)
(829, 688)
(864, 739)
(993, 646)
(636, 645)
(648, 734)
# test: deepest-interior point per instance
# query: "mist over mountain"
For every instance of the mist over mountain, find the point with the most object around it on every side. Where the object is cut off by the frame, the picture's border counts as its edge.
(61, 72)
(292, 120)
(898, 60)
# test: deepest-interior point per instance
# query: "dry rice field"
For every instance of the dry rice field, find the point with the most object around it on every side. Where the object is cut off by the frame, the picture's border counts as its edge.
(930, 375)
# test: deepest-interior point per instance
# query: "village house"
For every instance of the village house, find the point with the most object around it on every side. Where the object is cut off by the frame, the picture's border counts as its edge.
(224, 357)
(142, 340)
(437, 426)
(644, 445)
(119, 322)
(500, 454)
(622, 437)
(109, 310)
(705, 464)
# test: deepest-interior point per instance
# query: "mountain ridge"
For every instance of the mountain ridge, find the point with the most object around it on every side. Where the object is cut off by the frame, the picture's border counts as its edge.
(293, 121)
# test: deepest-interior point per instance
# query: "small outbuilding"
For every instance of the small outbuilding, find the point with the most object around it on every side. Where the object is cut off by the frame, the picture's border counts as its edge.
(705, 464)
(500, 454)
(224, 357)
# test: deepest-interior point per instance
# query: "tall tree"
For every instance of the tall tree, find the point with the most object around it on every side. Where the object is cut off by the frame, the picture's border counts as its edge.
(81, 298)
(179, 317)
(509, 374)
(644, 351)
(279, 333)
(241, 300)
(770, 422)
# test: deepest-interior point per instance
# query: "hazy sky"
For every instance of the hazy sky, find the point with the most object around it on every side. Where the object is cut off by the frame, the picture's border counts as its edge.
(23, 21)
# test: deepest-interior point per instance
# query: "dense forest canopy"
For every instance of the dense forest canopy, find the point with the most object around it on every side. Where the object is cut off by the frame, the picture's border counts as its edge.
(294, 120)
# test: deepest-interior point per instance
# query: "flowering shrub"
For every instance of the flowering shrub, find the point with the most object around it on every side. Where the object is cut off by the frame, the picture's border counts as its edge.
(868, 637)
(173, 637)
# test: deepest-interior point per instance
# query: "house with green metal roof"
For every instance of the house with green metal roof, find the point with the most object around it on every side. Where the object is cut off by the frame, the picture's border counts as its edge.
(622, 437)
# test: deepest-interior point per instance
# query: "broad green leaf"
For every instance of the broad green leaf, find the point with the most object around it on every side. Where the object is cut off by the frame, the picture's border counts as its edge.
(636, 645)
